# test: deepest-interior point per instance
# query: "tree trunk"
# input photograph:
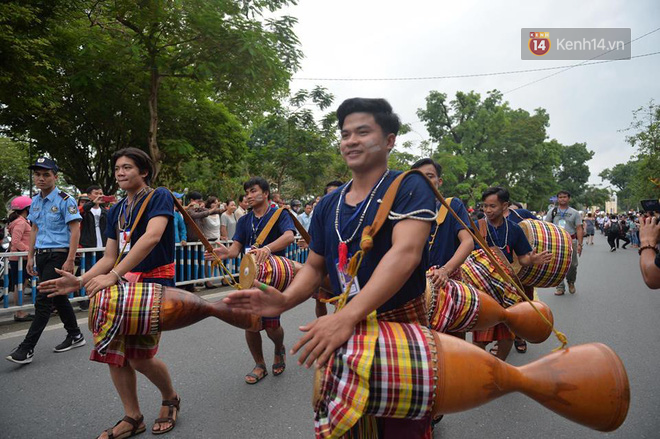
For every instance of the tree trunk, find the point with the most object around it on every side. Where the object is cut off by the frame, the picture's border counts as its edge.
(154, 151)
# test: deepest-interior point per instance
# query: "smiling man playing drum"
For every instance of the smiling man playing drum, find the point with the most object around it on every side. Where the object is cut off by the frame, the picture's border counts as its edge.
(146, 245)
(391, 279)
(248, 229)
(509, 238)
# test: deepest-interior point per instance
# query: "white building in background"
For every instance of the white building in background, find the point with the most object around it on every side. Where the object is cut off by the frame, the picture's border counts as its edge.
(611, 205)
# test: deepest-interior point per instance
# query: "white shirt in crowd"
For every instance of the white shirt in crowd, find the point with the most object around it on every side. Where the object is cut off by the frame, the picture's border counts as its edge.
(211, 227)
(96, 211)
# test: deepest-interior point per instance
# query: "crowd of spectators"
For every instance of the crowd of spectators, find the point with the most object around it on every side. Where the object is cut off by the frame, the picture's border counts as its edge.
(217, 220)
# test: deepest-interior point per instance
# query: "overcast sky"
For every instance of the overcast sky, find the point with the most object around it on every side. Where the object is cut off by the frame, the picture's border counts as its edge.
(393, 39)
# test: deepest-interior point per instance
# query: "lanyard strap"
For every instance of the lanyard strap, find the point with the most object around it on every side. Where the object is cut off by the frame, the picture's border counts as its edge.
(134, 225)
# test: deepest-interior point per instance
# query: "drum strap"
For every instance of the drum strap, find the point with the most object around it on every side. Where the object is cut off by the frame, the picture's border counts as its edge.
(370, 231)
(205, 242)
(134, 225)
(273, 220)
(439, 220)
(442, 213)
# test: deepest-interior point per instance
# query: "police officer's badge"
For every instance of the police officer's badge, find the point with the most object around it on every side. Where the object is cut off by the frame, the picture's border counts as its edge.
(72, 210)
(54, 209)
(41, 160)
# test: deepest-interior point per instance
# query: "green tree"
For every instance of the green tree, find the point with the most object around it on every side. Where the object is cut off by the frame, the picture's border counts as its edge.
(594, 196)
(645, 138)
(14, 177)
(294, 151)
(246, 56)
(483, 142)
(573, 172)
(85, 78)
(639, 178)
(623, 177)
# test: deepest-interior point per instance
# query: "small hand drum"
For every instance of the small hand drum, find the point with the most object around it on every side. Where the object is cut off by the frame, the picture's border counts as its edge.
(276, 271)
(247, 272)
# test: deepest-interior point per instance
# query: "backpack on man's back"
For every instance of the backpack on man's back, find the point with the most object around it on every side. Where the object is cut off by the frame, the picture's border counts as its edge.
(615, 228)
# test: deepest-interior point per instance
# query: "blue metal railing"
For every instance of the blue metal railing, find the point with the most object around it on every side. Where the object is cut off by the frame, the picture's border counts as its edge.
(190, 268)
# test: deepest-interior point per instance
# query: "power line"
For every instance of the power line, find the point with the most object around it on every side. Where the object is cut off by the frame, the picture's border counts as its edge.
(582, 65)
(477, 75)
(586, 62)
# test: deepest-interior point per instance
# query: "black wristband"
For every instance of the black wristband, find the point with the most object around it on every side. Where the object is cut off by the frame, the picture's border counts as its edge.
(652, 247)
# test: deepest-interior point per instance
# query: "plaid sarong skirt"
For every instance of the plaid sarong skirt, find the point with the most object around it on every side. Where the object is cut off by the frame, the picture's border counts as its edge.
(542, 236)
(478, 271)
(386, 369)
(124, 320)
(124, 309)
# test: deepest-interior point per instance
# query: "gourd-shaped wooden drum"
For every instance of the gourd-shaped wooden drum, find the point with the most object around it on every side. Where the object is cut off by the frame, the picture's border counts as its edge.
(542, 236)
(417, 372)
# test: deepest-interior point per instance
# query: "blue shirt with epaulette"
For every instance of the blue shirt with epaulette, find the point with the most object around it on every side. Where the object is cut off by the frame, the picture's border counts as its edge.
(52, 215)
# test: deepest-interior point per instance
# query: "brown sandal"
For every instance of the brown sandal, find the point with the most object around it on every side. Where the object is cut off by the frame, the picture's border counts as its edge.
(134, 432)
(172, 404)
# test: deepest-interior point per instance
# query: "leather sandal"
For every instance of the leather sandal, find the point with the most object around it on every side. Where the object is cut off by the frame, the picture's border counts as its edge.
(137, 429)
(280, 365)
(521, 345)
(172, 404)
(256, 377)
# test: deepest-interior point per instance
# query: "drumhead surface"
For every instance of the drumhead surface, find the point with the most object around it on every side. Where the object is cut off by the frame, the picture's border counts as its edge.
(247, 272)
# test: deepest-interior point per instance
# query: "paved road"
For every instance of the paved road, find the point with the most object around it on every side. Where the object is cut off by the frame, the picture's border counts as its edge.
(65, 395)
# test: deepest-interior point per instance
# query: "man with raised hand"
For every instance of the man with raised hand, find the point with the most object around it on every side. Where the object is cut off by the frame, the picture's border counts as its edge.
(248, 228)
(146, 245)
(391, 278)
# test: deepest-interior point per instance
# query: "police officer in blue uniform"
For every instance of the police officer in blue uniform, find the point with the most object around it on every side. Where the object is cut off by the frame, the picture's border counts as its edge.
(53, 243)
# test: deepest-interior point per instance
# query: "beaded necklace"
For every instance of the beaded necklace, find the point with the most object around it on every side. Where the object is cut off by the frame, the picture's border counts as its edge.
(343, 244)
(127, 214)
(506, 235)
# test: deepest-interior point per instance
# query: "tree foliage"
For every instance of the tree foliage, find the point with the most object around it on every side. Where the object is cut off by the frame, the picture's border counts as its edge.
(573, 173)
(594, 196)
(296, 152)
(14, 177)
(84, 78)
(639, 178)
(484, 142)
